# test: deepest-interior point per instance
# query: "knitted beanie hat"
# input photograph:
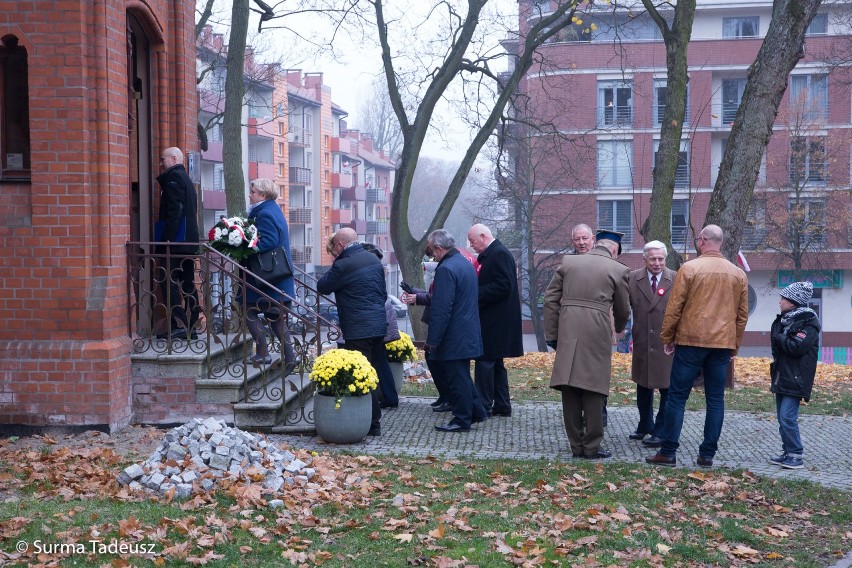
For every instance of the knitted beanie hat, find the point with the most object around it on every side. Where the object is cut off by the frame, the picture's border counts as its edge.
(798, 292)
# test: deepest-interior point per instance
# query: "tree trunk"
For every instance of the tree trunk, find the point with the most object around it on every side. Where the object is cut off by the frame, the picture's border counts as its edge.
(232, 127)
(658, 224)
(767, 80)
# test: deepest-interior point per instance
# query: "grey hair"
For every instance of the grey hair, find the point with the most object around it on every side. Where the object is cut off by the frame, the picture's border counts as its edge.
(582, 227)
(654, 245)
(442, 238)
(266, 187)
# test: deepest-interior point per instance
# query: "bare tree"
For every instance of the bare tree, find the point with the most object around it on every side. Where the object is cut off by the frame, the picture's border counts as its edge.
(676, 38)
(232, 147)
(782, 48)
(376, 117)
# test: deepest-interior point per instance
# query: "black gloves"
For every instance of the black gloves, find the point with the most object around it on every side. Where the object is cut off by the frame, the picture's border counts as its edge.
(406, 287)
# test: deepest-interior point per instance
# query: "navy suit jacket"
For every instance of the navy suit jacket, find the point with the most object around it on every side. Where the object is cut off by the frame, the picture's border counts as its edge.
(454, 314)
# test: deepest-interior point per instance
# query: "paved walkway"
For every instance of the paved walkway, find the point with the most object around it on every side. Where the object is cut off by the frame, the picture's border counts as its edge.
(535, 430)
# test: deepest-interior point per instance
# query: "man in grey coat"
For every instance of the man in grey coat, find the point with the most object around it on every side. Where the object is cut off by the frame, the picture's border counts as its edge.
(578, 302)
(649, 295)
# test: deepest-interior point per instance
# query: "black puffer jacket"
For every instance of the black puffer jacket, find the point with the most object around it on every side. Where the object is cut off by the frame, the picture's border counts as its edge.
(357, 279)
(795, 350)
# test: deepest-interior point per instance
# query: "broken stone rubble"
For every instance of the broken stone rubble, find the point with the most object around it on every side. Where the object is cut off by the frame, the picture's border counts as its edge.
(192, 457)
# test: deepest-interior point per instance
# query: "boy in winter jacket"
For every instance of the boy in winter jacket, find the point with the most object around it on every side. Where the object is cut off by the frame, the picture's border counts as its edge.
(795, 349)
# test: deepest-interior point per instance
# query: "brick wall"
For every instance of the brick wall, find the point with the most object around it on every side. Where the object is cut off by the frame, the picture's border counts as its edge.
(64, 344)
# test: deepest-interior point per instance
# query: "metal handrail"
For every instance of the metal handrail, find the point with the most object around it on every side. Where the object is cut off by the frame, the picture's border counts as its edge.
(220, 336)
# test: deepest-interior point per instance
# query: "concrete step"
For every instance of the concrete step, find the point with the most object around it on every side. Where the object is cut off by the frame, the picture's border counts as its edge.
(273, 406)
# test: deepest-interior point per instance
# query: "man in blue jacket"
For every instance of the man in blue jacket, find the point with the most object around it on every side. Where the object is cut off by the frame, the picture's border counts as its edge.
(357, 280)
(454, 336)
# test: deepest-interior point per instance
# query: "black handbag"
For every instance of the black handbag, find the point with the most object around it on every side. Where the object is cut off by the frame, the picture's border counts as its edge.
(271, 265)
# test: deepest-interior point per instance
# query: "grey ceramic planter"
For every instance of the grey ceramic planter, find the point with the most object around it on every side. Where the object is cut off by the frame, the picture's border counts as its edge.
(348, 424)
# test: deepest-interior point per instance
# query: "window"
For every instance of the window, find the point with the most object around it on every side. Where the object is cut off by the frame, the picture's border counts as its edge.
(680, 222)
(617, 215)
(807, 160)
(615, 103)
(281, 128)
(819, 25)
(660, 94)
(214, 133)
(14, 110)
(741, 27)
(755, 232)
(615, 159)
(732, 93)
(281, 110)
(806, 223)
(218, 177)
(281, 148)
(682, 176)
(281, 170)
(809, 96)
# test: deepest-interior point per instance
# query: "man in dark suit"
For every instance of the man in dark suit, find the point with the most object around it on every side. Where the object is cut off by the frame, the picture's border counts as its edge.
(499, 319)
(357, 279)
(179, 220)
(454, 337)
(649, 289)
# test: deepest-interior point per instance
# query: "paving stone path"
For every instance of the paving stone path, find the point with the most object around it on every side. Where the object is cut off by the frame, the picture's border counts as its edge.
(535, 430)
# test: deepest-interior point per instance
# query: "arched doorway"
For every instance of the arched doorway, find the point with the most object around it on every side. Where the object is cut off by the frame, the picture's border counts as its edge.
(140, 153)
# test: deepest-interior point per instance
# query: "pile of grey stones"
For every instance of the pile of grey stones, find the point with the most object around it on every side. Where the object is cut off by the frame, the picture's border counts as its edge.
(192, 457)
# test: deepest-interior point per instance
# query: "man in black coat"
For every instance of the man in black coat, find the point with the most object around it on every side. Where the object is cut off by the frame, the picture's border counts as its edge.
(178, 222)
(499, 319)
(357, 280)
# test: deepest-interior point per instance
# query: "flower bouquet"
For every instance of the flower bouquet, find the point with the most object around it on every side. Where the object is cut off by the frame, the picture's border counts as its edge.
(341, 372)
(401, 350)
(235, 237)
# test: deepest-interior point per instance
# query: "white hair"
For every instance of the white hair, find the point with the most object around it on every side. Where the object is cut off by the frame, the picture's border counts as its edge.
(654, 245)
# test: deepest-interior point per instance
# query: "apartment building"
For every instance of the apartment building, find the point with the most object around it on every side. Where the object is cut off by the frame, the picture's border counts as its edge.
(602, 86)
(328, 177)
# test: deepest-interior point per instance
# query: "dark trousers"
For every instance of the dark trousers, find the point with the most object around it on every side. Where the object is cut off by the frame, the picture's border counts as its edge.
(492, 382)
(464, 397)
(278, 322)
(373, 349)
(439, 381)
(386, 383)
(645, 404)
(583, 417)
(688, 362)
(179, 293)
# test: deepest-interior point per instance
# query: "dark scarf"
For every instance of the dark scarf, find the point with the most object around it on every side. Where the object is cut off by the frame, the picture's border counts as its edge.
(789, 316)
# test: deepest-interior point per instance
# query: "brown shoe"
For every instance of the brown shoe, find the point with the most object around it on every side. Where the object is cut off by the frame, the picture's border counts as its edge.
(660, 459)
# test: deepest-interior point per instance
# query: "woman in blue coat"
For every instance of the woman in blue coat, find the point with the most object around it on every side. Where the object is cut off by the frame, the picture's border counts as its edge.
(273, 232)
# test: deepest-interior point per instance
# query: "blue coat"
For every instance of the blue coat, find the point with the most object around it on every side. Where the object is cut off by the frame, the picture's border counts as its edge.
(454, 314)
(357, 280)
(272, 228)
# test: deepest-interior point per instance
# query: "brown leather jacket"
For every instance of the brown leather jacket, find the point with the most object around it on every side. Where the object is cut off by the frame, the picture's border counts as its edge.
(708, 305)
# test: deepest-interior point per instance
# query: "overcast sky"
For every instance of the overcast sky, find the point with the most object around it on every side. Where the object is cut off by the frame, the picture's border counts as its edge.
(351, 75)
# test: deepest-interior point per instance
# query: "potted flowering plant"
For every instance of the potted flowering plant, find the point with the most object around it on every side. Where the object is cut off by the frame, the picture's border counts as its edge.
(401, 350)
(235, 237)
(342, 412)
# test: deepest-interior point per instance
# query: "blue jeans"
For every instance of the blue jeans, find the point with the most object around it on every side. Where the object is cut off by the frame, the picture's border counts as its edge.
(688, 363)
(787, 411)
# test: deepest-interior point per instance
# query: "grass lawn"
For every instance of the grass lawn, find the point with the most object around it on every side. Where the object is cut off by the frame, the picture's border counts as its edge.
(422, 511)
(529, 377)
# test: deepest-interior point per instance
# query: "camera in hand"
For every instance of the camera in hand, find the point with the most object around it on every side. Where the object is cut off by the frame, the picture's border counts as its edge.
(406, 287)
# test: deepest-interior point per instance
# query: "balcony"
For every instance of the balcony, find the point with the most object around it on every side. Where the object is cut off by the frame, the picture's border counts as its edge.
(353, 194)
(377, 227)
(359, 226)
(213, 153)
(343, 145)
(376, 195)
(660, 111)
(615, 116)
(299, 137)
(262, 170)
(754, 237)
(722, 115)
(341, 216)
(213, 199)
(301, 255)
(341, 180)
(300, 176)
(300, 216)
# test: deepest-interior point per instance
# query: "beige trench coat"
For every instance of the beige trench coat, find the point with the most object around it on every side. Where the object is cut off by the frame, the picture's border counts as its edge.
(651, 366)
(577, 306)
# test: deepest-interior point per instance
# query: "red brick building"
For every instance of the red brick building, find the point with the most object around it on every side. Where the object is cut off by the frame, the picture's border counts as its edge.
(90, 92)
(602, 86)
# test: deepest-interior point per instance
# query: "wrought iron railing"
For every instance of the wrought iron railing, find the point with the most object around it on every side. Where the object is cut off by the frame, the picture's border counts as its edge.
(219, 334)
